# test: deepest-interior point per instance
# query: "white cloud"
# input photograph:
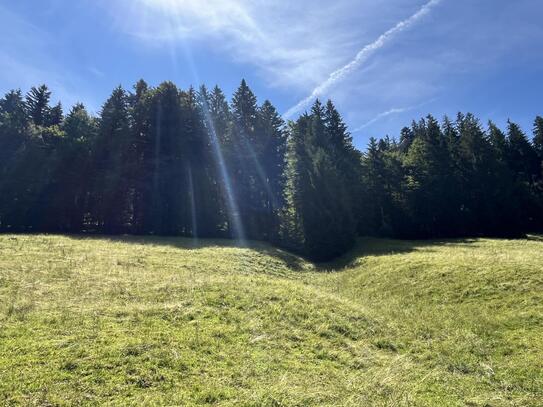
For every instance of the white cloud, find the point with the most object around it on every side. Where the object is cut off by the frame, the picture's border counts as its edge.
(96, 72)
(361, 57)
(391, 112)
(292, 44)
(382, 116)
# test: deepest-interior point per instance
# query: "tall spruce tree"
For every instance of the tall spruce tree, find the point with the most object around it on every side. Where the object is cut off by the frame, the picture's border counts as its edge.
(54, 115)
(373, 219)
(211, 214)
(245, 161)
(272, 161)
(14, 136)
(13, 126)
(110, 191)
(203, 194)
(37, 104)
(321, 222)
(538, 136)
(429, 191)
(218, 122)
(167, 211)
(297, 186)
(69, 181)
(140, 155)
(521, 154)
(524, 163)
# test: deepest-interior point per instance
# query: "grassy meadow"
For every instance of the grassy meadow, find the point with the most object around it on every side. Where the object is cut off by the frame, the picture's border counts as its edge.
(160, 321)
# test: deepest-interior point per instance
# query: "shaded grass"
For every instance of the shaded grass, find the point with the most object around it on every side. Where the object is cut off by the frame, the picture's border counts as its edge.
(132, 321)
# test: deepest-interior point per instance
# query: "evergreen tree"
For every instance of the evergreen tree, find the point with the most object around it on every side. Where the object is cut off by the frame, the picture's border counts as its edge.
(220, 115)
(273, 141)
(218, 123)
(538, 137)
(54, 115)
(537, 190)
(13, 126)
(346, 159)
(321, 223)
(14, 135)
(522, 156)
(524, 163)
(110, 193)
(406, 139)
(431, 201)
(297, 186)
(203, 194)
(167, 211)
(37, 104)
(81, 130)
(373, 219)
(140, 157)
(478, 176)
(245, 161)
(498, 140)
(70, 178)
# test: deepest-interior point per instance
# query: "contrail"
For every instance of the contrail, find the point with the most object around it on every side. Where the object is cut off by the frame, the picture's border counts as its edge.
(362, 56)
(392, 111)
(382, 115)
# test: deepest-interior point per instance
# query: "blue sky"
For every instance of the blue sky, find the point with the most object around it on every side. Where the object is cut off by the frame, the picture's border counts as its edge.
(383, 62)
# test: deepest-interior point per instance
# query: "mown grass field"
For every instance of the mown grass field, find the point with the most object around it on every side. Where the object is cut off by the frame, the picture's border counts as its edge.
(157, 321)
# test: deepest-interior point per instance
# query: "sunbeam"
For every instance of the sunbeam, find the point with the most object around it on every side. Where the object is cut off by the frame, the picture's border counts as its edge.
(231, 204)
(194, 220)
(156, 170)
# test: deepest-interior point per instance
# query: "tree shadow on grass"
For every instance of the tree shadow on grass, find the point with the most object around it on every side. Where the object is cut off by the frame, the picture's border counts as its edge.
(374, 247)
(364, 247)
(291, 260)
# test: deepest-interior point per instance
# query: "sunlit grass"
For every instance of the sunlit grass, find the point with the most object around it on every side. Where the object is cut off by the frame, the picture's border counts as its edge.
(156, 321)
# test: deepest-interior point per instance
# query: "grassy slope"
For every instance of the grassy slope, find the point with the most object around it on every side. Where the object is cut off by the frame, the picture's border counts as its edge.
(153, 321)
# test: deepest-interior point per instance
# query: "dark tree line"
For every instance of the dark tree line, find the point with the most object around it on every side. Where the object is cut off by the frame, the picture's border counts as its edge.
(165, 161)
(454, 179)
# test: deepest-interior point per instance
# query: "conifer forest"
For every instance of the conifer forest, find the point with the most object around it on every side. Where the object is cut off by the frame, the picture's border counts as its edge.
(173, 162)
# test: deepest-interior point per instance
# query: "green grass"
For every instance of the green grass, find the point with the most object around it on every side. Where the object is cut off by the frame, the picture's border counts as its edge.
(156, 321)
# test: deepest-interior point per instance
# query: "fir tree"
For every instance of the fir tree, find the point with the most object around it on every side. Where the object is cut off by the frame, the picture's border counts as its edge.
(54, 115)
(245, 160)
(37, 104)
(109, 152)
(538, 136)
(521, 154)
(321, 224)
(273, 140)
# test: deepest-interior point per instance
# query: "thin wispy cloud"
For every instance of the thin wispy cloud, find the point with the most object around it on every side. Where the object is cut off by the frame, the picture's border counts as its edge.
(289, 44)
(189, 18)
(382, 116)
(96, 72)
(361, 57)
(286, 50)
(390, 112)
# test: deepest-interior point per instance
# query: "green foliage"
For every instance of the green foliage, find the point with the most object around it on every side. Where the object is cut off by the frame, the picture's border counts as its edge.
(452, 180)
(538, 136)
(37, 105)
(320, 214)
(109, 190)
(165, 161)
(54, 115)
